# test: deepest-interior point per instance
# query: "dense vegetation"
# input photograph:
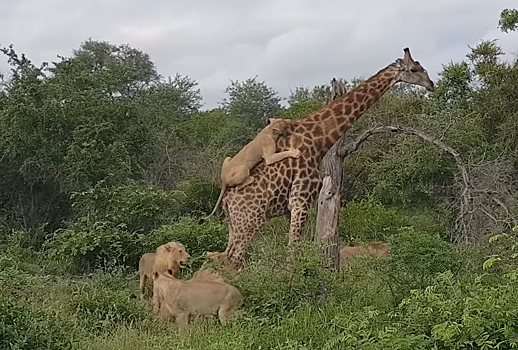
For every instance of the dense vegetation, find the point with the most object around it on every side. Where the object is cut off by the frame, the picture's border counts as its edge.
(102, 159)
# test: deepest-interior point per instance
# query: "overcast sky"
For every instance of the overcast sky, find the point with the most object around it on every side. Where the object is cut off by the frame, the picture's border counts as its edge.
(287, 43)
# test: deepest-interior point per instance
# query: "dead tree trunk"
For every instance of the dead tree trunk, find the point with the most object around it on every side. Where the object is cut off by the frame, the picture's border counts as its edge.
(328, 205)
(471, 196)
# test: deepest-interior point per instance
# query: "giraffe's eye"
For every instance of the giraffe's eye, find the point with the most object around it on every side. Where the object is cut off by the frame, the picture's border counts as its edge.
(413, 70)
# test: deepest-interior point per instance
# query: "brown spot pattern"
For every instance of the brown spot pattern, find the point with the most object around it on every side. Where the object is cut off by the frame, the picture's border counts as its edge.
(295, 181)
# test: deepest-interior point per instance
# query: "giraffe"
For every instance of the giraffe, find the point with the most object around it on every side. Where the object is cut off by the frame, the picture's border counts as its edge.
(292, 185)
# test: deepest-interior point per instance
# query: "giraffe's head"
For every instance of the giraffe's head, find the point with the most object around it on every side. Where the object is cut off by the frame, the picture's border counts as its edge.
(412, 72)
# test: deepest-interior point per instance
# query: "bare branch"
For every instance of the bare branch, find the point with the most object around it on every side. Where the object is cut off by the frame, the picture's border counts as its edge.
(493, 182)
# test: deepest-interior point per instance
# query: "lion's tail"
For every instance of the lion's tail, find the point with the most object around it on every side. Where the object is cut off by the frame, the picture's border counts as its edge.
(221, 193)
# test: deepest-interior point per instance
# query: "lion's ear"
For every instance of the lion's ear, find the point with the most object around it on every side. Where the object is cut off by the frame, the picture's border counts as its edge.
(169, 248)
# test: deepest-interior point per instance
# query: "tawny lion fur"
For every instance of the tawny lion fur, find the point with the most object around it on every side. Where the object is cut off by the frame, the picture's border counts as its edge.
(178, 299)
(348, 253)
(203, 273)
(236, 171)
(168, 258)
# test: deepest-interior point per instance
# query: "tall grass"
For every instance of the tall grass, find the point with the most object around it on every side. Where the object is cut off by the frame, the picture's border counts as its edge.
(418, 298)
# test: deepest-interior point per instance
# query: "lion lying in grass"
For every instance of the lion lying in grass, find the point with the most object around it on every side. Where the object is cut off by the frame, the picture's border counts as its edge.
(168, 258)
(213, 261)
(348, 253)
(200, 296)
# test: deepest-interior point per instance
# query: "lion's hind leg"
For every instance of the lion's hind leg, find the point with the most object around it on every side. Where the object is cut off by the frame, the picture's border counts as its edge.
(237, 176)
(249, 180)
(143, 284)
(225, 314)
(182, 320)
(229, 308)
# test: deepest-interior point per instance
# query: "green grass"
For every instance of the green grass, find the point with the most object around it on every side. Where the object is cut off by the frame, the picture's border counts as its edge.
(298, 306)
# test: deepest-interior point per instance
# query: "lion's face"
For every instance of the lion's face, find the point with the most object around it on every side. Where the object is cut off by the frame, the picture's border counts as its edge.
(179, 254)
(176, 252)
(278, 126)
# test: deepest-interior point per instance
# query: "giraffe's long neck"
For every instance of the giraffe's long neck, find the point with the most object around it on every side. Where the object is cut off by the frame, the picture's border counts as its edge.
(338, 116)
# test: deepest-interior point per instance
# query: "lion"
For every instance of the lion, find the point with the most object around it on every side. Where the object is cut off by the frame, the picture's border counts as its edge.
(348, 253)
(179, 299)
(236, 171)
(204, 275)
(211, 257)
(169, 258)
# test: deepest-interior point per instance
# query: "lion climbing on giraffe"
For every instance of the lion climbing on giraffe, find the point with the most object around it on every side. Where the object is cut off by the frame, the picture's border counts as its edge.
(236, 171)
(293, 186)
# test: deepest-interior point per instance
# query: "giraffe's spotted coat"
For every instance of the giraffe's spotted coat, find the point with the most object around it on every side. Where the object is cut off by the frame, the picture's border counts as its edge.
(292, 185)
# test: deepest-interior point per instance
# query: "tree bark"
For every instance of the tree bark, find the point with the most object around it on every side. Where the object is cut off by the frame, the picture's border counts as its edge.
(328, 206)
(327, 235)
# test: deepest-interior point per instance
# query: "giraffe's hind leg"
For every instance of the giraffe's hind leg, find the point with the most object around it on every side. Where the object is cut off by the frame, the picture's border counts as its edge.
(244, 228)
(231, 235)
(237, 252)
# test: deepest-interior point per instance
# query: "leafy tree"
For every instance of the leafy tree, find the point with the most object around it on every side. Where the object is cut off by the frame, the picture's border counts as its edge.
(251, 101)
(319, 94)
(103, 114)
(116, 70)
(454, 87)
(508, 20)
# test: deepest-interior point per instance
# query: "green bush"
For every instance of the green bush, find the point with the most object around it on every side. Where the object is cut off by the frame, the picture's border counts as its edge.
(135, 208)
(415, 259)
(435, 220)
(199, 196)
(23, 323)
(272, 287)
(110, 222)
(502, 258)
(399, 171)
(368, 220)
(470, 316)
(100, 245)
(22, 327)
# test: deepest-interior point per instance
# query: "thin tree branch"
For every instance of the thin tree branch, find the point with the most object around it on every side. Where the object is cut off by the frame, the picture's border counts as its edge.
(461, 229)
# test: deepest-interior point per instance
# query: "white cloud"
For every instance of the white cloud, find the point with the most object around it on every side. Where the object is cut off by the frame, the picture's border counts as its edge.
(285, 42)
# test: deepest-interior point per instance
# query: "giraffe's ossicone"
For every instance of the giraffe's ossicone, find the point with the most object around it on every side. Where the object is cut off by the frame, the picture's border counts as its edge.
(292, 185)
